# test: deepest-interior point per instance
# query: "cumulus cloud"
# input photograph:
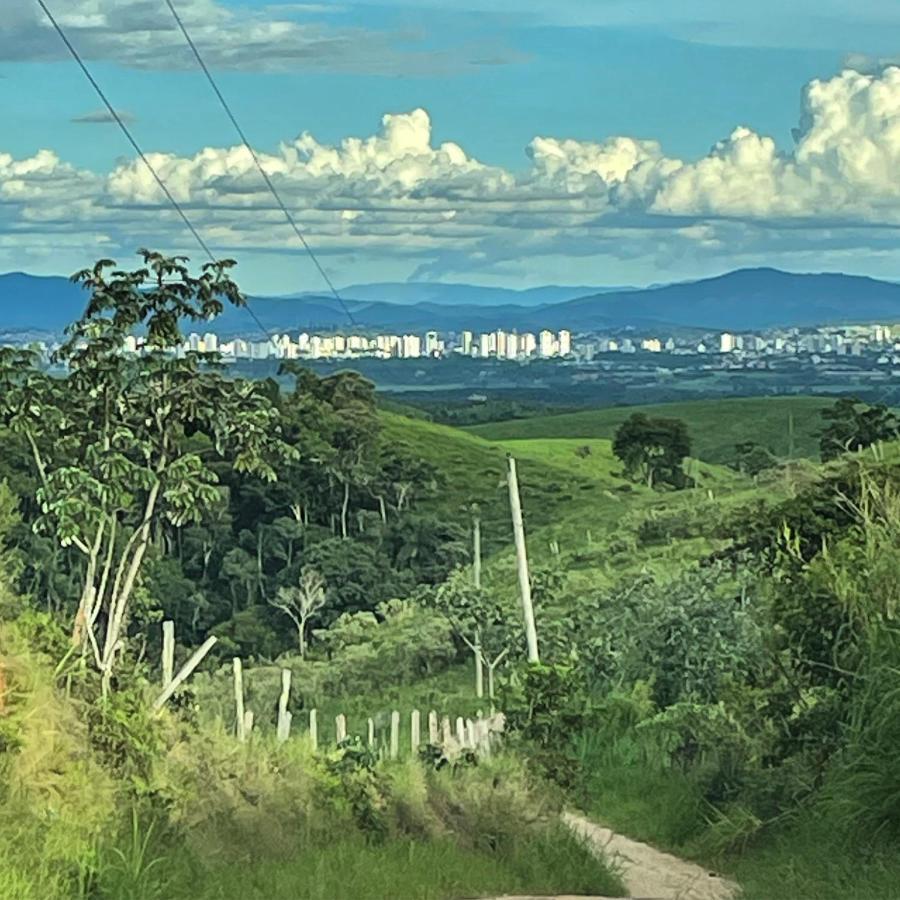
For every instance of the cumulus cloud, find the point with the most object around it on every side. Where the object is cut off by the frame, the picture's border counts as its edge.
(143, 34)
(397, 194)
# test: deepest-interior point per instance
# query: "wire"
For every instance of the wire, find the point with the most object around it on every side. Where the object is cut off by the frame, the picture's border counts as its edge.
(143, 156)
(256, 160)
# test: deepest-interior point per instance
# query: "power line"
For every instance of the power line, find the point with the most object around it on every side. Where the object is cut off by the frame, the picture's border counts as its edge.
(137, 149)
(269, 183)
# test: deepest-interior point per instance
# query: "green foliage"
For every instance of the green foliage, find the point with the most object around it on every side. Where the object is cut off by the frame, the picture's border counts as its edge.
(753, 459)
(852, 425)
(653, 450)
(545, 705)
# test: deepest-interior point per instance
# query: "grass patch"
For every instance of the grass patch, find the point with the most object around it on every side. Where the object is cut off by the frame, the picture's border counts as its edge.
(715, 426)
(811, 860)
(407, 870)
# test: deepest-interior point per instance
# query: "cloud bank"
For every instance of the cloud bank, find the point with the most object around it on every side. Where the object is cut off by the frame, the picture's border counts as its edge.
(398, 195)
(143, 34)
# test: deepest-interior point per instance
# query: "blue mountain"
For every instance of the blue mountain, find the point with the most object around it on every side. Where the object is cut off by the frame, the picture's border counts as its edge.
(742, 300)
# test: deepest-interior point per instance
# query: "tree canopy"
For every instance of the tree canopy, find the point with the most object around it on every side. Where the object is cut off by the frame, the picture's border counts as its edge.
(653, 450)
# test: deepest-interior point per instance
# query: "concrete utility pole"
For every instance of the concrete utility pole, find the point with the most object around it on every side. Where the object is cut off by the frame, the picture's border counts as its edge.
(515, 504)
(476, 578)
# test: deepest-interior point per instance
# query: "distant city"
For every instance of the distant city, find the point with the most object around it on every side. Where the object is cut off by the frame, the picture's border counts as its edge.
(499, 344)
(849, 340)
(744, 347)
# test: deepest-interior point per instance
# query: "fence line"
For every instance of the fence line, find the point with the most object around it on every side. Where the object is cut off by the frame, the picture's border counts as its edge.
(470, 734)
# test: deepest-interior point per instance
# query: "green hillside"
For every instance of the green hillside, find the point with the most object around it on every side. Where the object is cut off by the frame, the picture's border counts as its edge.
(555, 481)
(573, 496)
(715, 425)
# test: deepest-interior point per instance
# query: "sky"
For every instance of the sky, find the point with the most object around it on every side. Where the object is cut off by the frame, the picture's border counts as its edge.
(501, 142)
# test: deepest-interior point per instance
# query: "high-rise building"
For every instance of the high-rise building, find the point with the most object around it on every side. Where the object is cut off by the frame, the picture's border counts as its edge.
(727, 343)
(485, 347)
(210, 342)
(546, 343)
(411, 346)
(565, 342)
(431, 343)
(465, 343)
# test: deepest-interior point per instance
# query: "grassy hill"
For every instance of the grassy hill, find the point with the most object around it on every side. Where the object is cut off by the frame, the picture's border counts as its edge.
(715, 425)
(554, 480)
(574, 496)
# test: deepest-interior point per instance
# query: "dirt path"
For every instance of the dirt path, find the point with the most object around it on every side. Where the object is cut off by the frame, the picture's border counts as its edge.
(648, 873)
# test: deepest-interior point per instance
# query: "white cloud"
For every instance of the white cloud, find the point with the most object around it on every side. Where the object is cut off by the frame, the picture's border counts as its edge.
(397, 195)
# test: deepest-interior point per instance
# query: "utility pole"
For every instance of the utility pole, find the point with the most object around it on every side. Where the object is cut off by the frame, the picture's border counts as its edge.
(476, 578)
(515, 504)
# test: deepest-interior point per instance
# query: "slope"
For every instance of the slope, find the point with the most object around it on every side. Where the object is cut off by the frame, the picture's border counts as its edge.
(715, 426)
(743, 299)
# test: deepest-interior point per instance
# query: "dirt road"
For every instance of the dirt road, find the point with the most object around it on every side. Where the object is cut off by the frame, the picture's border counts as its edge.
(649, 874)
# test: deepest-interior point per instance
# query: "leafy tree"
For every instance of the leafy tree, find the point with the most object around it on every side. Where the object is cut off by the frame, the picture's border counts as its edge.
(853, 426)
(108, 440)
(653, 450)
(752, 458)
(478, 618)
(301, 602)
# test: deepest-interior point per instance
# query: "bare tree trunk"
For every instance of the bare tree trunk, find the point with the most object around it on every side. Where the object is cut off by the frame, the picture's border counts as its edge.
(301, 635)
(344, 506)
(479, 666)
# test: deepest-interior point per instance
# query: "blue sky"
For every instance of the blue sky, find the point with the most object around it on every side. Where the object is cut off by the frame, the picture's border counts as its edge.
(492, 77)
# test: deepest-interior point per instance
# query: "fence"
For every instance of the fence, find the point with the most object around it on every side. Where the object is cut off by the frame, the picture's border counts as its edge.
(390, 735)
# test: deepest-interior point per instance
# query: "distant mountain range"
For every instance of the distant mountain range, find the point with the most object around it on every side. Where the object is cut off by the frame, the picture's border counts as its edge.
(440, 294)
(742, 300)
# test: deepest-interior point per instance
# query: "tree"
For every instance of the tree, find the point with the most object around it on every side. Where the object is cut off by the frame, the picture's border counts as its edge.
(653, 450)
(302, 602)
(752, 458)
(478, 619)
(853, 426)
(110, 440)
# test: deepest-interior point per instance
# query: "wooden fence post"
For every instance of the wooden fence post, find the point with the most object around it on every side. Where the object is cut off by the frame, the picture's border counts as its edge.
(168, 652)
(446, 734)
(470, 734)
(395, 734)
(415, 728)
(184, 673)
(340, 727)
(314, 729)
(433, 728)
(248, 724)
(515, 504)
(371, 733)
(460, 731)
(239, 698)
(284, 716)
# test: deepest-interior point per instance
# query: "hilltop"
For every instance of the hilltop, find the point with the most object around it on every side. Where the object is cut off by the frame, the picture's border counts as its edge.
(715, 426)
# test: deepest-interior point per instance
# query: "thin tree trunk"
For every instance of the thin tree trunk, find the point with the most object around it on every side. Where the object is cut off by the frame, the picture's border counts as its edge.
(479, 666)
(344, 507)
